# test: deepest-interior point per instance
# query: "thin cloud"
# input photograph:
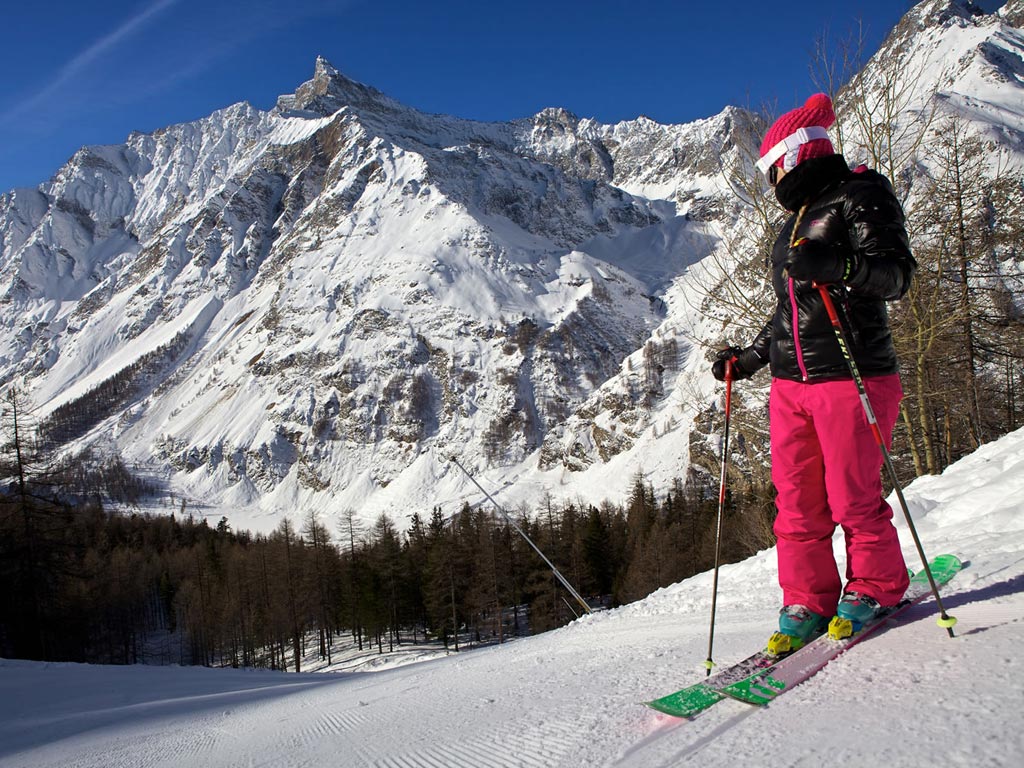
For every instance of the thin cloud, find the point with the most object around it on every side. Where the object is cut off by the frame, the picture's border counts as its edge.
(74, 68)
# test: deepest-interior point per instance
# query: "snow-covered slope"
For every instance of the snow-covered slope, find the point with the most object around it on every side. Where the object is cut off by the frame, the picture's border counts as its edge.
(908, 697)
(314, 306)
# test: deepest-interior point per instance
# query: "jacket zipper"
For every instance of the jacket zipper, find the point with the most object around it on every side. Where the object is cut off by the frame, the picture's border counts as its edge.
(796, 332)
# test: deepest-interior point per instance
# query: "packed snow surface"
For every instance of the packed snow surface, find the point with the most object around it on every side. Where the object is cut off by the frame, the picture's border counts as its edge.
(910, 696)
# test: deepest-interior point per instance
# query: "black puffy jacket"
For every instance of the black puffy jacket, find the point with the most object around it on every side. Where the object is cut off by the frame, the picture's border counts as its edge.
(850, 210)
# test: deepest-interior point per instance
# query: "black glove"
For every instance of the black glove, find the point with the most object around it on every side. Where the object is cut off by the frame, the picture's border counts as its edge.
(819, 262)
(738, 371)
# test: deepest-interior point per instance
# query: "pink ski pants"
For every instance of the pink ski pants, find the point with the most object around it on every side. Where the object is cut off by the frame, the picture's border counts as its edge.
(826, 468)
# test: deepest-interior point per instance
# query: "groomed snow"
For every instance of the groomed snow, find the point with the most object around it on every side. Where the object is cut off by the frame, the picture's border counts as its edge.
(908, 697)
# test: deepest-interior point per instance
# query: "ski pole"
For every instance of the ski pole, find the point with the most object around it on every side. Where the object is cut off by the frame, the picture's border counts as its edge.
(721, 508)
(945, 621)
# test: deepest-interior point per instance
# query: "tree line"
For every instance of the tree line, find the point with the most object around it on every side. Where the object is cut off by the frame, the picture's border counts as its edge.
(80, 582)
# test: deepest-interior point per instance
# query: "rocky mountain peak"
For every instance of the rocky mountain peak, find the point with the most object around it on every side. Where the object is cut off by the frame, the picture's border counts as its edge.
(941, 12)
(1013, 12)
(557, 116)
(329, 91)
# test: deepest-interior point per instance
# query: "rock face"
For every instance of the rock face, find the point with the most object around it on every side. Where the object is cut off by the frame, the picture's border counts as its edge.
(312, 307)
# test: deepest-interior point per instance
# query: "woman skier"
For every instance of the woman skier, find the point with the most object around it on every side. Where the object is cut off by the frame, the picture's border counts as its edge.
(846, 231)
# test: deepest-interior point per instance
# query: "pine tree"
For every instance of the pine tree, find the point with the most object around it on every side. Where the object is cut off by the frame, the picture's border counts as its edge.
(319, 539)
(440, 593)
(35, 554)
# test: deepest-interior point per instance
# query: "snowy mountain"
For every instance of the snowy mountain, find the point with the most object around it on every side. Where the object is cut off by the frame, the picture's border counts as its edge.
(909, 696)
(294, 307)
(313, 307)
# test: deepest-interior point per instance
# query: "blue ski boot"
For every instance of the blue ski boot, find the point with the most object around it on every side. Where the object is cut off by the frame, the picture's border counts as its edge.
(798, 625)
(853, 612)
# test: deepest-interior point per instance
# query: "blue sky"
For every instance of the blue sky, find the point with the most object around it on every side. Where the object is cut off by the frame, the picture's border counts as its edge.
(77, 73)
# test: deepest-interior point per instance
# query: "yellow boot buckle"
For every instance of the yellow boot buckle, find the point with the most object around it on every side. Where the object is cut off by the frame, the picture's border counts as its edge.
(840, 628)
(781, 643)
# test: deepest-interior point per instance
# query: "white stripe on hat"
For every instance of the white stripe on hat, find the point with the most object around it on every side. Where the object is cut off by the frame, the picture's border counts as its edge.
(790, 147)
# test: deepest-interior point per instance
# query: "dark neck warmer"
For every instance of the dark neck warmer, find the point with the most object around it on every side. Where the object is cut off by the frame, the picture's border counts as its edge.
(810, 179)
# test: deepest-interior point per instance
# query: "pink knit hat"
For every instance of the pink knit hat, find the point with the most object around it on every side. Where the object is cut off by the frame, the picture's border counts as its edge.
(799, 135)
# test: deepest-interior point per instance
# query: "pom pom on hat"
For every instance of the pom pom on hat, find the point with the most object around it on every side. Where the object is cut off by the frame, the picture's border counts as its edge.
(817, 111)
(820, 102)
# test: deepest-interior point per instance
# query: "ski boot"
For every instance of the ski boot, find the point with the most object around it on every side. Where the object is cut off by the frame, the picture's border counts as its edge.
(798, 625)
(853, 612)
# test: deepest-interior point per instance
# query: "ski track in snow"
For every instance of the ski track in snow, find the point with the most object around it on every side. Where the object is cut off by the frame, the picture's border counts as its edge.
(909, 696)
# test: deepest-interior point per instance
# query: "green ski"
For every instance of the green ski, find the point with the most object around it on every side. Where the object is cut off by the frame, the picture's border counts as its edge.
(768, 683)
(758, 679)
